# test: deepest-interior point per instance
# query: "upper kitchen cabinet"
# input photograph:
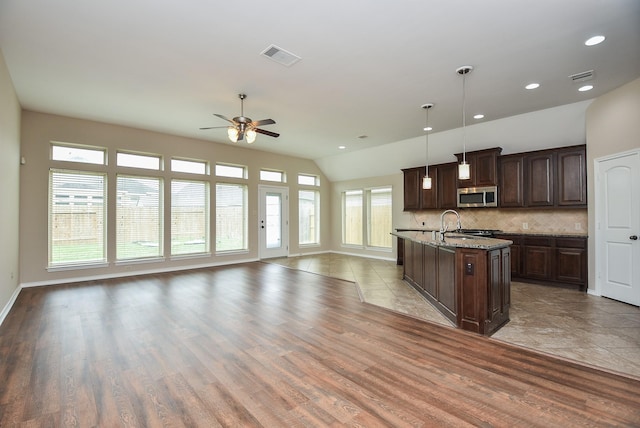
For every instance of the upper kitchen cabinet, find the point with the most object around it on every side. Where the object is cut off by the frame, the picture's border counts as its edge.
(547, 178)
(443, 187)
(447, 185)
(511, 181)
(483, 167)
(572, 177)
(539, 179)
(412, 187)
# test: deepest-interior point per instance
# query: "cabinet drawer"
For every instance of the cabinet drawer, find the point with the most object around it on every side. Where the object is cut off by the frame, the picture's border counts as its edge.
(538, 241)
(571, 243)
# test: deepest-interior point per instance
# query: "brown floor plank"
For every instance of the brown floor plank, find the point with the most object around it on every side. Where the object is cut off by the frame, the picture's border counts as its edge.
(261, 345)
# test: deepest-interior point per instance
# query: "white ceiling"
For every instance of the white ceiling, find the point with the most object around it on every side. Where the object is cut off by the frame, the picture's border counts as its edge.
(366, 68)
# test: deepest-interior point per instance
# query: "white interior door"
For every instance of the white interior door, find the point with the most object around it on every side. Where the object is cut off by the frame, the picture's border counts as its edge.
(618, 227)
(273, 222)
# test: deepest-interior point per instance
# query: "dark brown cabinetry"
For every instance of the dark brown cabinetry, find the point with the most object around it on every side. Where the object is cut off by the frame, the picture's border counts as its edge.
(471, 287)
(511, 179)
(539, 179)
(412, 187)
(443, 190)
(447, 185)
(549, 260)
(572, 177)
(483, 168)
(544, 179)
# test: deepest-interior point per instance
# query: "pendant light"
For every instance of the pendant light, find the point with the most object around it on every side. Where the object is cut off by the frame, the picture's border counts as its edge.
(426, 180)
(464, 172)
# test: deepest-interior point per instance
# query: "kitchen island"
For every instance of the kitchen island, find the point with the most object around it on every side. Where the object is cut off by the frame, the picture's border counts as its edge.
(466, 278)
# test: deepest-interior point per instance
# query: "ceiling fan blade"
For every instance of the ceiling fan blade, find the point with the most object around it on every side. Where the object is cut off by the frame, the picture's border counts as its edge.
(215, 127)
(256, 123)
(269, 133)
(223, 118)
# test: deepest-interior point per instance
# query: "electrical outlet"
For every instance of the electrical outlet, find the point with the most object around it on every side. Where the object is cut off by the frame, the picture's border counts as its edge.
(525, 226)
(578, 226)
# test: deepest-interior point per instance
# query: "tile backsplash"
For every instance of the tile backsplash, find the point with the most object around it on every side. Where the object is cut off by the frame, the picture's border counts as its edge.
(569, 221)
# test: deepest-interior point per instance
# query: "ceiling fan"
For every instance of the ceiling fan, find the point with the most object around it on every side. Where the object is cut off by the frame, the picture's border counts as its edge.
(243, 126)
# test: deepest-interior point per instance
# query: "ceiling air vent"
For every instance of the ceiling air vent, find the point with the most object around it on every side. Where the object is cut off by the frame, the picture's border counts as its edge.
(280, 56)
(582, 77)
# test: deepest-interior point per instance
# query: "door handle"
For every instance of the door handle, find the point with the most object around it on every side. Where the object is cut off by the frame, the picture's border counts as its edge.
(634, 237)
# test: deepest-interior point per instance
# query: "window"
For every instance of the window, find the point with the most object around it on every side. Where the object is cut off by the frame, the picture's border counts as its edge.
(268, 175)
(189, 217)
(308, 180)
(138, 161)
(379, 218)
(78, 154)
(231, 217)
(76, 217)
(231, 171)
(193, 167)
(139, 218)
(309, 217)
(352, 211)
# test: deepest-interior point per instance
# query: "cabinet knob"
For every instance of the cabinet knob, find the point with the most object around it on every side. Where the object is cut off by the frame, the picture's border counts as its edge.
(633, 237)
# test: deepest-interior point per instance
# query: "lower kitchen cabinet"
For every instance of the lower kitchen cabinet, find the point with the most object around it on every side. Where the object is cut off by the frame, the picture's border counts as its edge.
(549, 260)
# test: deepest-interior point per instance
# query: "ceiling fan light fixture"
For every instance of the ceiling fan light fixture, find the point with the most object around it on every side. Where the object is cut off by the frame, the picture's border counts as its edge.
(251, 135)
(232, 132)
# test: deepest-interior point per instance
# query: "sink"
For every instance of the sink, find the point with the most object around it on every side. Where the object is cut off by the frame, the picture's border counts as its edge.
(458, 236)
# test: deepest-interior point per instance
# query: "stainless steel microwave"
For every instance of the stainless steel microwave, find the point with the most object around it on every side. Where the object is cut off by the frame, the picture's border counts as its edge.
(469, 197)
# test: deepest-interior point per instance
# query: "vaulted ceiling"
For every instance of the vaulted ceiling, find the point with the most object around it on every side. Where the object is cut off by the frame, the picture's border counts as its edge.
(366, 66)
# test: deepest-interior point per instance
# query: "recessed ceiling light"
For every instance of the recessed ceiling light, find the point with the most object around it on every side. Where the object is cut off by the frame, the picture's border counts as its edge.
(428, 128)
(532, 86)
(585, 88)
(342, 147)
(595, 40)
(478, 116)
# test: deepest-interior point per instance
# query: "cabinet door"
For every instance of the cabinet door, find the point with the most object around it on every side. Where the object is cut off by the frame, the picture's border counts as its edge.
(511, 188)
(572, 177)
(429, 198)
(540, 180)
(570, 265)
(486, 168)
(537, 262)
(448, 185)
(412, 188)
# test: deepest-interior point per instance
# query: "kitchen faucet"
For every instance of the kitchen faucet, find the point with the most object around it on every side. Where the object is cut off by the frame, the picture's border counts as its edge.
(443, 227)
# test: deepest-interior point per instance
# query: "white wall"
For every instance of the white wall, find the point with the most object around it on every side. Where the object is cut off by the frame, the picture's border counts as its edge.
(613, 126)
(39, 129)
(9, 190)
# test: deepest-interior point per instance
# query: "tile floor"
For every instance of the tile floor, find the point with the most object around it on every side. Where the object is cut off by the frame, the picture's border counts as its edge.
(562, 322)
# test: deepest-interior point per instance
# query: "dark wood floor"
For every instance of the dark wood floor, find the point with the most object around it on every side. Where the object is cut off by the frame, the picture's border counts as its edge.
(262, 345)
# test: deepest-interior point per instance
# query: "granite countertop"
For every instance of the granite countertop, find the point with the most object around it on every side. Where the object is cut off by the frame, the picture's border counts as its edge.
(543, 234)
(520, 233)
(454, 240)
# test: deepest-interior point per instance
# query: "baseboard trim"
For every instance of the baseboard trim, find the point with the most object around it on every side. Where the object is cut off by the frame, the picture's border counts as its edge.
(9, 305)
(132, 273)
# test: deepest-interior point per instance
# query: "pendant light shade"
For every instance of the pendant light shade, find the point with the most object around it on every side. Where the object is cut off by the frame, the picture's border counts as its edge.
(426, 180)
(251, 135)
(464, 172)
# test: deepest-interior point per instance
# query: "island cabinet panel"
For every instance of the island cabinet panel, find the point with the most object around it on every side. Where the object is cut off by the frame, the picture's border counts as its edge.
(413, 262)
(446, 292)
(472, 284)
(430, 271)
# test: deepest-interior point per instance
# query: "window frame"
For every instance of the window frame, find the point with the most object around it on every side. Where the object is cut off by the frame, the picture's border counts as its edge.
(317, 223)
(245, 217)
(206, 219)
